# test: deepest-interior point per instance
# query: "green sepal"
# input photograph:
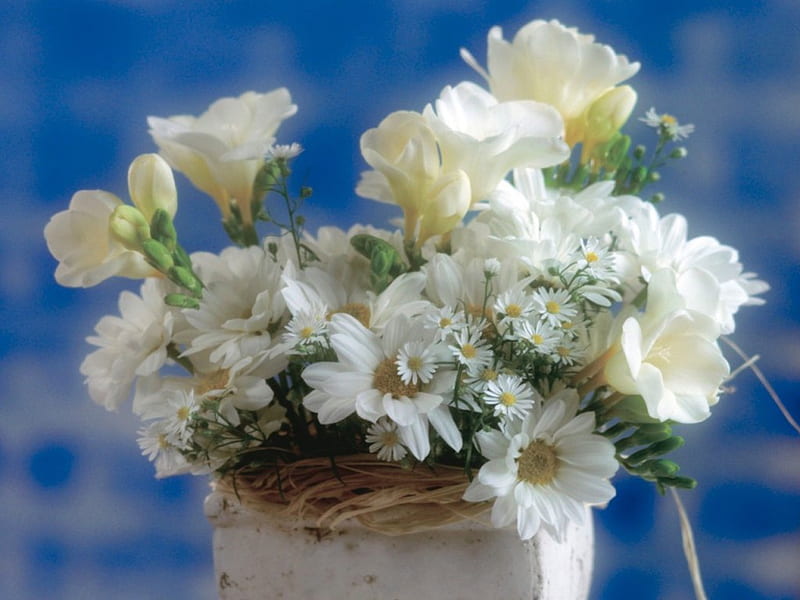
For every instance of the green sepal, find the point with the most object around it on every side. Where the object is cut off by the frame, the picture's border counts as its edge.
(163, 229)
(653, 450)
(181, 301)
(158, 255)
(187, 279)
(385, 261)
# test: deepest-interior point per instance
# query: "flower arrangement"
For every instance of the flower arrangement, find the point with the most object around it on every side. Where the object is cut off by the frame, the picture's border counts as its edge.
(533, 324)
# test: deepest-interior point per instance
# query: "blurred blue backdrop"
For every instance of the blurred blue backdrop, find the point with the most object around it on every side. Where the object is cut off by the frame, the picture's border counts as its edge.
(82, 515)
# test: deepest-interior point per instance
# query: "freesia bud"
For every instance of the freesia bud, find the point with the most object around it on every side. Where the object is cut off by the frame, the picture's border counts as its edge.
(606, 116)
(152, 186)
(129, 226)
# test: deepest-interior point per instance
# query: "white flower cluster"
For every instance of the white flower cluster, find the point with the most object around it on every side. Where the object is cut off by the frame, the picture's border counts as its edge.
(520, 343)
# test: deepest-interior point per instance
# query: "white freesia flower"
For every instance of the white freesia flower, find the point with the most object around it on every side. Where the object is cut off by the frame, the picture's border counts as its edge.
(557, 65)
(669, 356)
(486, 139)
(365, 380)
(222, 150)
(88, 253)
(408, 172)
(131, 345)
(545, 469)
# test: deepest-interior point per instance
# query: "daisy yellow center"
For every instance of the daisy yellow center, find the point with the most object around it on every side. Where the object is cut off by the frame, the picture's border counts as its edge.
(563, 351)
(508, 399)
(668, 119)
(163, 442)
(591, 257)
(360, 312)
(387, 381)
(445, 322)
(214, 381)
(183, 413)
(306, 332)
(469, 351)
(389, 438)
(553, 307)
(566, 325)
(513, 310)
(538, 464)
(537, 338)
(414, 363)
(489, 375)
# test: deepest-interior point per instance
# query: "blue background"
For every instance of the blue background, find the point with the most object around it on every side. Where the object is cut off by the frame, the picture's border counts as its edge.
(82, 515)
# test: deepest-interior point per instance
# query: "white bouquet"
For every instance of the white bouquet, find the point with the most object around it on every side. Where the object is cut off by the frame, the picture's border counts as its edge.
(533, 324)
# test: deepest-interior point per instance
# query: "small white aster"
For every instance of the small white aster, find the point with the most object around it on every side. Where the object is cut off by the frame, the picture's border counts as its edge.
(471, 350)
(667, 125)
(555, 306)
(416, 362)
(515, 305)
(567, 352)
(383, 438)
(510, 396)
(284, 151)
(444, 321)
(306, 329)
(540, 334)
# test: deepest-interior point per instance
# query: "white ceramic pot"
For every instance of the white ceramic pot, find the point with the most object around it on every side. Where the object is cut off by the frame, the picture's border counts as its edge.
(260, 557)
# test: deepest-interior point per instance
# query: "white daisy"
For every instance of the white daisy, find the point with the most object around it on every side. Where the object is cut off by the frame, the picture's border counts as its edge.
(510, 396)
(383, 438)
(543, 470)
(366, 380)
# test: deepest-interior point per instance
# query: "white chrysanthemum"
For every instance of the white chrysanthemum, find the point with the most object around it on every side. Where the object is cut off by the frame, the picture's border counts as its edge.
(708, 274)
(366, 380)
(510, 396)
(240, 309)
(131, 345)
(313, 289)
(544, 470)
(383, 439)
(471, 350)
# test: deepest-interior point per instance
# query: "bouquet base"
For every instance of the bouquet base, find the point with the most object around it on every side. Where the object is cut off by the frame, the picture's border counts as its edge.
(260, 554)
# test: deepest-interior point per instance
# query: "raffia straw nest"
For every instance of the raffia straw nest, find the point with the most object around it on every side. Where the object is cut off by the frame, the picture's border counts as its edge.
(383, 497)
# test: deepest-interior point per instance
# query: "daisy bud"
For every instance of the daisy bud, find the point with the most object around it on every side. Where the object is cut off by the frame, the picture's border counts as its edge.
(129, 227)
(152, 186)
